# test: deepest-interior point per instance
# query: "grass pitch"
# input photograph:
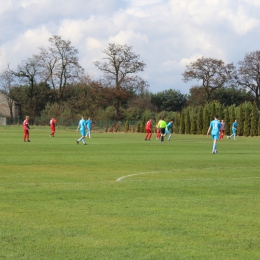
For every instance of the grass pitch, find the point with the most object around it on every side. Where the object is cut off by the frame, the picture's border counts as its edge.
(120, 197)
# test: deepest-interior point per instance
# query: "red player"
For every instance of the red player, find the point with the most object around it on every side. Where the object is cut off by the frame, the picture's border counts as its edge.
(148, 130)
(222, 129)
(26, 128)
(52, 126)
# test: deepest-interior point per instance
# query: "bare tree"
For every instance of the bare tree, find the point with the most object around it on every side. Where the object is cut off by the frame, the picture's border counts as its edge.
(120, 63)
(59, 65)
(7, 82)
(28, 72)
(212, 73)
(248, 75)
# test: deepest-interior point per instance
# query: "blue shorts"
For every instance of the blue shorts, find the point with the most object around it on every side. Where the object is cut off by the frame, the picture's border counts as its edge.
(215, 137)
(167, 132)
(83, 132)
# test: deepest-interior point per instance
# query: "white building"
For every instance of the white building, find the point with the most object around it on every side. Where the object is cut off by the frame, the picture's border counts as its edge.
(5, 114)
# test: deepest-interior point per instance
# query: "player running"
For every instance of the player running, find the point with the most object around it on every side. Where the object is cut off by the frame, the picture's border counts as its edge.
(148, 130)
(215, 129)
(162, 125)
(82, 128)
(234, 130)
(169, 129)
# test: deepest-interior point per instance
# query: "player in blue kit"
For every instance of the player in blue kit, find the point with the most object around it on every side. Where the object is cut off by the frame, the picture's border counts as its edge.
(234, 130)
(168, 129)
(89, 126)
(215, 130)
(82, 128)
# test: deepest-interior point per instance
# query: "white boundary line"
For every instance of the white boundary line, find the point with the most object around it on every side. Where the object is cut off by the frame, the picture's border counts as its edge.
(135, 174)
(142, 173)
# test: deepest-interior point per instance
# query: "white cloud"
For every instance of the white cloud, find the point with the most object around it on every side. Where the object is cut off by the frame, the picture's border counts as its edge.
(167, 34)
(128, 37)
(143, 2)
(23, 47)
(240, 21)
(252, 2)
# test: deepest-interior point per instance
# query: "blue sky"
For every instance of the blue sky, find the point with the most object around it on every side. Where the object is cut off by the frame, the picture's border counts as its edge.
(167, 34)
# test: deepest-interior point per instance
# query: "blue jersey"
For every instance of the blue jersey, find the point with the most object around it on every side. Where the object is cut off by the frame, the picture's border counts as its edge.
(234, 126)
(82, 124)
(169, 125)
(89, 124)
(215, 127)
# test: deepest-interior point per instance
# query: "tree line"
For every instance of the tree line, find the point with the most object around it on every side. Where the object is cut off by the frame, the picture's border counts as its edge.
(52, 83)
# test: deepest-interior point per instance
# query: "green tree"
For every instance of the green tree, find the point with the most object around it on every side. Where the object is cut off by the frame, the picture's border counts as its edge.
(176, 123)
(206, 120)
(254, 118)
(169, 100)
(143, 125)
(126, 126)
(247, 120)
(193, 123)
(258, 125)
(232, 114)
(213, 110)
(240, 120)
(227, 121)
(220, 111)
(200, 121)
(187, 121)
(182, 123)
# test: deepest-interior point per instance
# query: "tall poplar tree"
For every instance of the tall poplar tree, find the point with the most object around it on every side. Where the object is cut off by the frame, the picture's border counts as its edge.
(182, 123)
(232, 114)
(254, 119)
(200, 121)
(206, 120)
(193, 123)
(227, 120)
(247, 120)
(220, 112)
(187, 121)
(213, 110)
(240, 120)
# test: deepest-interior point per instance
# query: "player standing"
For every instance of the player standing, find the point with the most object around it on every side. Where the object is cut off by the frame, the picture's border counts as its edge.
(82, 128)
(89, 126)
(148, 130)
(52, 126)
(234, 130)
(26, 128)
(215, 129)
(222, 129)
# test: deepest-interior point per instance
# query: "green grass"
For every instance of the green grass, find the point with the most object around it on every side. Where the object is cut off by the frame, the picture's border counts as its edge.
(120, 197)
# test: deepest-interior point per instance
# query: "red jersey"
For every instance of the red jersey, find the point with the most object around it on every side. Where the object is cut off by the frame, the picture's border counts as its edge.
(26, 124)
(149, 125)
(52, 122)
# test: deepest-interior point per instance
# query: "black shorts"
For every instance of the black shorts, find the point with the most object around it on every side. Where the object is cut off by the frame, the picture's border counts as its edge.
(162, 131)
